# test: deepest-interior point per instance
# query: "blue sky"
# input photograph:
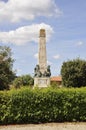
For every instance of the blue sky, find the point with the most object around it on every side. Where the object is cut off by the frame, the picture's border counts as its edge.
(65, 24)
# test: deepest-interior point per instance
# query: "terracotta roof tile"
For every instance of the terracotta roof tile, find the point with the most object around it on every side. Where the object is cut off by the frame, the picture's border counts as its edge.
(56, 78)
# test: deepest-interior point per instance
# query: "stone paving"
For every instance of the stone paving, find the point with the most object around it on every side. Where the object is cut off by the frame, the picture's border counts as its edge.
(48, 126)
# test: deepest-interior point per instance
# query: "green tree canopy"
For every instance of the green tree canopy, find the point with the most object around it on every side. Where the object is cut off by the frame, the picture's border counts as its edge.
(74, 73)
(6, 64)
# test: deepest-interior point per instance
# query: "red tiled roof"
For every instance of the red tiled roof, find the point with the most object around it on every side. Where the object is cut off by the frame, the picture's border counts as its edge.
(56, 78)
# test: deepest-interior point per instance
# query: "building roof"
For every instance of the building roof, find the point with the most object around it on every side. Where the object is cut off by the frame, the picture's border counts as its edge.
(56, 78)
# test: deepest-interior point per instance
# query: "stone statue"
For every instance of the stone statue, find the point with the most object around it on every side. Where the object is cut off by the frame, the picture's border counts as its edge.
(37, 72)
(46, 73)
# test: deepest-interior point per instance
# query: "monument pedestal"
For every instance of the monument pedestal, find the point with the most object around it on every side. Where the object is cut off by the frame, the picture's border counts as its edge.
(42, 82)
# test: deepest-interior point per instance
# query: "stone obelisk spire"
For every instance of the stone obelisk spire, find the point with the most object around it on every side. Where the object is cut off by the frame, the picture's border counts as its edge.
(42, 51)
(42, 72)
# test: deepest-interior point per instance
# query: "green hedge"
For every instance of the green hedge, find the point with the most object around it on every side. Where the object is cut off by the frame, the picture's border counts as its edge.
(42, 105)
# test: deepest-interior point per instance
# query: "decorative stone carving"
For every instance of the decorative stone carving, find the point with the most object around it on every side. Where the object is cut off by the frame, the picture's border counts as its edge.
(37, 72)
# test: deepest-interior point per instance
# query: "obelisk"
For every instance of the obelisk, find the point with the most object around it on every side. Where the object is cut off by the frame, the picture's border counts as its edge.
(42, 60)
(42, 72)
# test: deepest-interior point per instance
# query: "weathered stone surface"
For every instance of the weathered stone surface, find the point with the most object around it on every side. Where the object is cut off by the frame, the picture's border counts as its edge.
(42, 60)
(42, 33)
(42, 72)
(42, 82)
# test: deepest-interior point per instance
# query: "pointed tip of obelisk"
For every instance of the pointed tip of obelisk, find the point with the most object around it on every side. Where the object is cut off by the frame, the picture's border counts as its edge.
(42, 32)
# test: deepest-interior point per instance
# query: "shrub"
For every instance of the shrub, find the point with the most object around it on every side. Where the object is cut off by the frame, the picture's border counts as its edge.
(17, 82)
(42, 105)
(23, 80)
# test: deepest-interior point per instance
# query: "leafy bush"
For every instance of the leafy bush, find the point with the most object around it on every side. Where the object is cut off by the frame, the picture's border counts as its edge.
(23, 81)
(17, 82)
(27, 105)
(74, 73)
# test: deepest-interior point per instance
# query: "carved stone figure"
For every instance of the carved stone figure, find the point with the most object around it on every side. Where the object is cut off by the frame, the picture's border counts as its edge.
(37, 72)
(48, 71)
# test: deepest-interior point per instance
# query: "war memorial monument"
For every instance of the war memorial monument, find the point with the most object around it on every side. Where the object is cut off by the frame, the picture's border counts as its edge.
(42, 71)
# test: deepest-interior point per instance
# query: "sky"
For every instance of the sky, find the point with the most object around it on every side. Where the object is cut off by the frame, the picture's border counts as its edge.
(65, 25)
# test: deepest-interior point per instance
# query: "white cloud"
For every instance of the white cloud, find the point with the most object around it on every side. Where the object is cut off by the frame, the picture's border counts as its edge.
(25, 34)
(17, 10)
(57, 56)
(36, 55)
(80, 43)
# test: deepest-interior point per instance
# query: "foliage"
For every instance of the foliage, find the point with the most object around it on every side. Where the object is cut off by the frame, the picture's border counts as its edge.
(6, 64)
(74, 73)
(54, 85)
(23, 81)
(17, 82)
(28, 105)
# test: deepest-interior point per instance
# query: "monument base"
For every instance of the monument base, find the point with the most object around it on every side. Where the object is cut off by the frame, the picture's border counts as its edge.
(42, 82)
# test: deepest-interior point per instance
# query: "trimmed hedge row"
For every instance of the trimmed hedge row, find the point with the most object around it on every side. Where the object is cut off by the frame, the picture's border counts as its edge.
(42, 105)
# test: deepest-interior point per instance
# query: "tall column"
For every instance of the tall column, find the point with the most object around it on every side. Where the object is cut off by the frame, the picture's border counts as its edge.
(42, 72)
(42, 51)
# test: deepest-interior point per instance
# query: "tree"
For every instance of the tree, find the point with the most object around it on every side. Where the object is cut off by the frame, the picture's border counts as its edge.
(17, 83)
(74, 73)
(6, 64)
(27, 80)
(23, 80)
